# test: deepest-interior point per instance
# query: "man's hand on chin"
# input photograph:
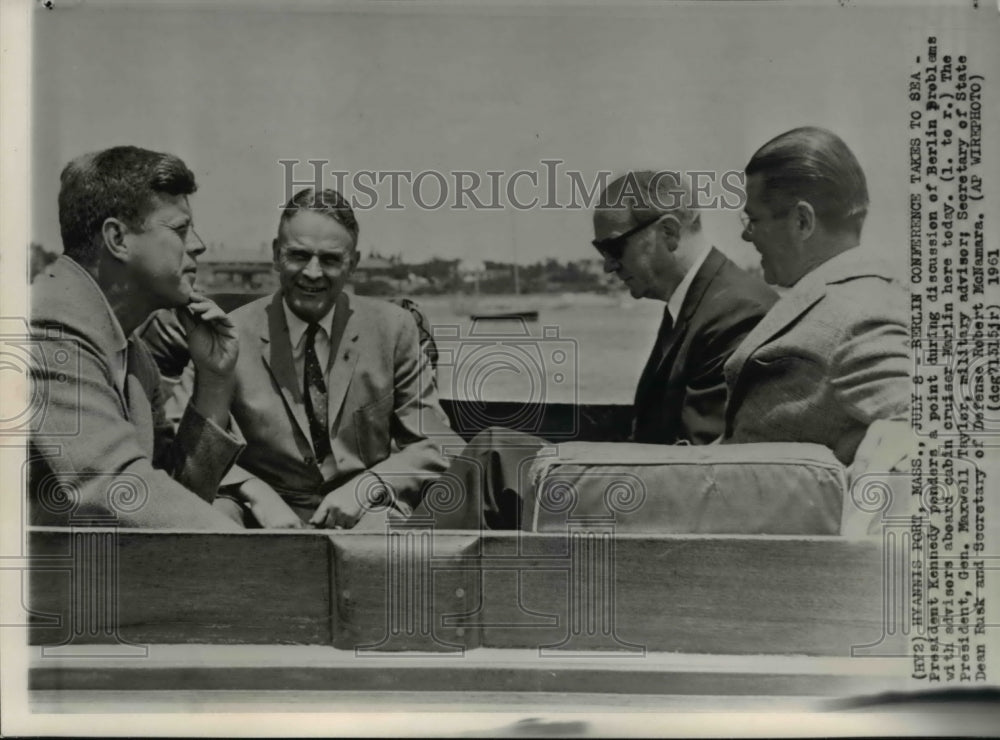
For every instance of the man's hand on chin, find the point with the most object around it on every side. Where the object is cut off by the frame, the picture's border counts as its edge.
(214, 346)
(211, 335)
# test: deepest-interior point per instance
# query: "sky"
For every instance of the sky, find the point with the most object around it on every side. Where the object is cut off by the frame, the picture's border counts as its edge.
(236, 89)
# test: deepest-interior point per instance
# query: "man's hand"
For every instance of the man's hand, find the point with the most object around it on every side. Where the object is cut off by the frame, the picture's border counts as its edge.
(212, 338)
(214, 346)
(276, 515)
(343, 507)
(339, 510)
(267, 506)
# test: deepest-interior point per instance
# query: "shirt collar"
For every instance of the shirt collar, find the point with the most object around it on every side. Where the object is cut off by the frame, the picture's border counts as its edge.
(676, 300)
(297, 327)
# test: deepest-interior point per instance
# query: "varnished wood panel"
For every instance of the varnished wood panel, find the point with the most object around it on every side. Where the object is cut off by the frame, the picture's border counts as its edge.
(174, 587)
(448, 592)
(771, 595)
(404, 591)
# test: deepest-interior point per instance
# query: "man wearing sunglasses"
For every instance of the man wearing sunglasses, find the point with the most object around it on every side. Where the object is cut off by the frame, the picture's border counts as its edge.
(651, 238)
(649, 234)
(102, 450)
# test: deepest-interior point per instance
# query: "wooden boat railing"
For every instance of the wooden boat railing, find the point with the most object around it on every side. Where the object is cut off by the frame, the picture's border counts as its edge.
(585, 610)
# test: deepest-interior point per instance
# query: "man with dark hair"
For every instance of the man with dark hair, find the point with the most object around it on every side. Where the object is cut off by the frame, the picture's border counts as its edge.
(830, 362)
(648, 230)
(101, 446)
(335, 397)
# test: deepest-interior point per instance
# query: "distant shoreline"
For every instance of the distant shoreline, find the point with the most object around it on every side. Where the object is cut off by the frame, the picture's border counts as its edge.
(463, 303)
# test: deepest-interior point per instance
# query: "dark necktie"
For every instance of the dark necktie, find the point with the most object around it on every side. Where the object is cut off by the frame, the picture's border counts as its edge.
(647, 411)
(666, 327)
(655, 358)
(315, 397)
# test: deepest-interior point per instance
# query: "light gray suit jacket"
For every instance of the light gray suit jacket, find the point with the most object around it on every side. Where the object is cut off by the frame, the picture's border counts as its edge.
(100, 449)
(827, 360)
(383, 410)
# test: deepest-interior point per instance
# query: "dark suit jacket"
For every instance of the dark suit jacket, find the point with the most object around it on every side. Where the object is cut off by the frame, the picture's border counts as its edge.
(681, 395)
(112, 451)
(830, 358)
(384, 415)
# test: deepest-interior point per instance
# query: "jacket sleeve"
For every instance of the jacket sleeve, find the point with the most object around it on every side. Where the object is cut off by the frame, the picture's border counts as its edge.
(178, 405)
(419, 426)
(871, 367)
(94, 461)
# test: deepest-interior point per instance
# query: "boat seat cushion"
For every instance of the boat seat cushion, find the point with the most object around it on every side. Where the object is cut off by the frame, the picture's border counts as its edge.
(772, 488)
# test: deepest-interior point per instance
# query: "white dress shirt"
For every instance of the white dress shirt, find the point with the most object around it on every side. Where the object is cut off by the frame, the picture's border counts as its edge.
(297, 333)
(676, 300)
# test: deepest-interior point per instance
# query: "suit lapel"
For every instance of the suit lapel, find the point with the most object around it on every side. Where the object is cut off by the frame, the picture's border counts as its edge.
(132, 385)
(276, 351)
(649, 372)
(783, 313)
(343, 355)
(706, 273)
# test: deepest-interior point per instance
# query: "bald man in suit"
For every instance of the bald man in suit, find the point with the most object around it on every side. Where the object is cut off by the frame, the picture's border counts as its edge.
(649, 234)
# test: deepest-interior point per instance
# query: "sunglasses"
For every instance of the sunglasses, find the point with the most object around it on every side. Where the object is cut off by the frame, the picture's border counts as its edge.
(614, 246)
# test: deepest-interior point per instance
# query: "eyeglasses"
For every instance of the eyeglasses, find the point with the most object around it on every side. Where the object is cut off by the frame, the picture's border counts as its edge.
(749, 223)
(614, 246)
(295, 257)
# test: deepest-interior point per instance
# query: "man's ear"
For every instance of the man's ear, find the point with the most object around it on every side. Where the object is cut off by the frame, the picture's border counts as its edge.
(275, 247)
(805, 219)
(355, 257)
(670, 227)
(113, 233)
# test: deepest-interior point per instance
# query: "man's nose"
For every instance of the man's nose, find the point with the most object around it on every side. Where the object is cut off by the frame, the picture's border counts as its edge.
(194, 246)
(312, 268)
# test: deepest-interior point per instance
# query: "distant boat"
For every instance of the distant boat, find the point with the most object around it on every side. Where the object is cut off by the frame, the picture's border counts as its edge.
(506, 316)
(502, 313)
